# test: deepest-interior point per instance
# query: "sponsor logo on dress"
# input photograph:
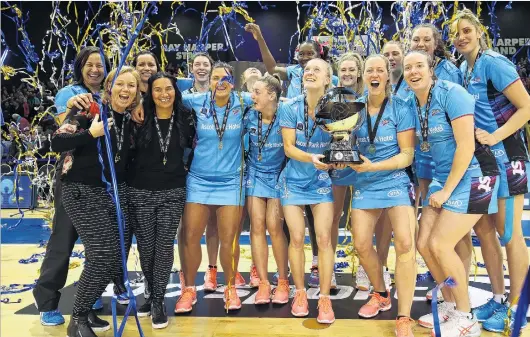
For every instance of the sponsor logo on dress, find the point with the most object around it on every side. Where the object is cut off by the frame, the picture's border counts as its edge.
(498, 153)
(385, 122)
(475, 80)
(236, 111)
(454, 203)
(357, 195)
(323, 176)
(253, 131)
(324, 190)
(394, 193)
(399, 175)
(435, 112)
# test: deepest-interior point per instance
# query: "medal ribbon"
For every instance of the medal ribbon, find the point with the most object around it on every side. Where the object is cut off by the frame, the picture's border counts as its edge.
(260, 124)
(424, 122)
(372, 133)
(164, 142)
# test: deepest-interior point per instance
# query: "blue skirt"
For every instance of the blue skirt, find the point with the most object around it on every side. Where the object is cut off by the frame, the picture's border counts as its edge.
(514, 178)
(317, 192)
(383, 196)
(222, 191)
(423, 164)
(473, 195)
(262, 184)
(344, 177)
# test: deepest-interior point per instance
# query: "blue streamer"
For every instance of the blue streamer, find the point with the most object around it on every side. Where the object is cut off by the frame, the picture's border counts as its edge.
(508, 222)
(522, 307)
(450, 282)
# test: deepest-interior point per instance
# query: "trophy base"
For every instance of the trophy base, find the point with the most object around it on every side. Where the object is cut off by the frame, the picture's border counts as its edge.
(348, 156)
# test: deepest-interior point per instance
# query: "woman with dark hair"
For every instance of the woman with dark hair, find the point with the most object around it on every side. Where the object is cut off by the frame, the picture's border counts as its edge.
(146, 64)
(215, 180)
(85, 196)
(201, 67)
(89, 72)
(157, 187)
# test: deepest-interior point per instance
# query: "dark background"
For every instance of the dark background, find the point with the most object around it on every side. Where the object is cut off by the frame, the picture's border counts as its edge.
(278, 23)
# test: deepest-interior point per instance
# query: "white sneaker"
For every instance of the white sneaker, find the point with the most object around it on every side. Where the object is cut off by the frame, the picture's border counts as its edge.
(333, 281)
(387, 278)
(445, 311)
(361, 280)
(461, 325)
(429, 296)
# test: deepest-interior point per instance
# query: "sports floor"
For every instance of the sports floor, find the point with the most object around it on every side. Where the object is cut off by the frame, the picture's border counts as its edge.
(208, 317)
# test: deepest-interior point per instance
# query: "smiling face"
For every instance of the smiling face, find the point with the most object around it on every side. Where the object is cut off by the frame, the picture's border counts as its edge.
(251, 74)
(423, 39)
(348, 73)
(306, 53)
(124, 91)
(201, 68)
(221, 89)
(163, 93)
(93, 71)
(375, 75)
(466, 36)
(146, 66)
(417, 72)
(316, 74)
(394, 55)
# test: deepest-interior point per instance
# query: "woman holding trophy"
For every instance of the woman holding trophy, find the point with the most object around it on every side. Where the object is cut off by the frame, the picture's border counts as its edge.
(305, 181)
(387, 141)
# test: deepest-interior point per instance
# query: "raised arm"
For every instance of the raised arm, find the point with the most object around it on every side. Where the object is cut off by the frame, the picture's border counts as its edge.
(268, 59)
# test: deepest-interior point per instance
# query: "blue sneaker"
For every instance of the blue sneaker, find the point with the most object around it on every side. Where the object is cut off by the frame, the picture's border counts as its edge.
(123, 299)
(51, 318)
(485, 311)
(98, 305)
(314, 280)
(277, 276)
(496, 322)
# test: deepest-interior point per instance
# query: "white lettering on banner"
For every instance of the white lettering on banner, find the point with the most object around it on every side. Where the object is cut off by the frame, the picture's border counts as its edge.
(190, 48)
(510, 46)
(517, 167)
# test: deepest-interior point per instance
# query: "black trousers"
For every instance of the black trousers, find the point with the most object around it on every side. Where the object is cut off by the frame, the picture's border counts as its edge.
(155, 216)
(54, 268)
(93, 215)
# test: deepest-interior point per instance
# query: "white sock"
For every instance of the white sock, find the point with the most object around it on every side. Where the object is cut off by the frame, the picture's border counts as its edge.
(452, 304)
(315, 261)
(465, 314)
(499, 298)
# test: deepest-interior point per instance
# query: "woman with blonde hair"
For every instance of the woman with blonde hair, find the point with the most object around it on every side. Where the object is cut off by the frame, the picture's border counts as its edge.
(85, 197)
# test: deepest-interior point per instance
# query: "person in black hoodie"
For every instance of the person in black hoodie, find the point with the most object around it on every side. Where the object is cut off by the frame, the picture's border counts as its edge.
(85, 196)
(157, 186)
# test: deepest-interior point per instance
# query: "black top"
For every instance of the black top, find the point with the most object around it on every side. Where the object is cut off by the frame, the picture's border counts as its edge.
(82, 149)
(147, 170)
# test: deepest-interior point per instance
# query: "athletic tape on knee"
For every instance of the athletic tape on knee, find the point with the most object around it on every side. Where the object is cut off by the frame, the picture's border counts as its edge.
(508, 222)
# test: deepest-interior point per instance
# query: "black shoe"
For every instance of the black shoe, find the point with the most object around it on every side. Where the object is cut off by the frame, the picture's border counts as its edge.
(145, 309)
(96, 323)
(158, 314)
(79, 327)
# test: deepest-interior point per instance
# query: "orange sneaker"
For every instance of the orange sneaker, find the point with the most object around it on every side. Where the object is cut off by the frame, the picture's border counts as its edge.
(210, 279)
(376, 304)
(240, 281)
(264, 293)
(300, 307)
(254, 278)
(186, 300)
(404, 327)
(232, 301)
(281, 292)
(325, 311)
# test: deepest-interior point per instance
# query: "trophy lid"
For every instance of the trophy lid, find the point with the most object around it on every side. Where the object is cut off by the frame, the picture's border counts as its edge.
(333, 105)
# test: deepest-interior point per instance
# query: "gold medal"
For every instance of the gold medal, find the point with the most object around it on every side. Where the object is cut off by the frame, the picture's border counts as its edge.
(220, 145)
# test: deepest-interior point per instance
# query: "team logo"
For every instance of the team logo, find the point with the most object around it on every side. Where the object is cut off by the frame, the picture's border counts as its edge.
(249, 183)
(236, 111)
(385, 122)
(435, 112)
(475, 80)
(394, 193)
(324, 190)
(206, 112)
(323, 176)
(300, 126)
(253, 130)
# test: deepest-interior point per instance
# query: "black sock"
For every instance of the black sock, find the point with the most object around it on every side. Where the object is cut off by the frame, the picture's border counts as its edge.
(383, 294)
(211, 267)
